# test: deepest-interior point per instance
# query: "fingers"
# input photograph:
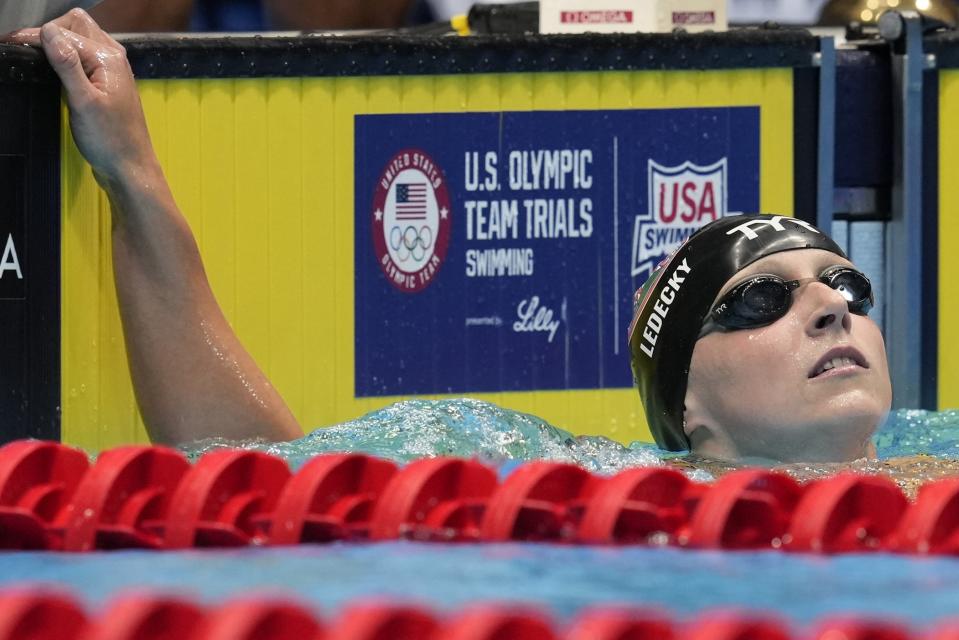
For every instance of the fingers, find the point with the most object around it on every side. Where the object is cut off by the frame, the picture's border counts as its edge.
(80, 22)
(92, 53)
(97, 61)
(64, 57)
(75, 21)
(23, 36)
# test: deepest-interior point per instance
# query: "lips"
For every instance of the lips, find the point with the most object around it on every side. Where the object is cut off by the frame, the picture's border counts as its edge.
(838, 358)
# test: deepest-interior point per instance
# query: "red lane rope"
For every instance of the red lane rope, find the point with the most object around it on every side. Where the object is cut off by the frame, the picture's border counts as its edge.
(37, 614)
(152, 498)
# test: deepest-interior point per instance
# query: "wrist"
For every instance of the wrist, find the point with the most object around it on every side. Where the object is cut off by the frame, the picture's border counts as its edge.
(133, 176)
(137, 192)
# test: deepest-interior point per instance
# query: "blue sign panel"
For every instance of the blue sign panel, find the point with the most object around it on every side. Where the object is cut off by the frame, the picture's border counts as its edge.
(500, 251)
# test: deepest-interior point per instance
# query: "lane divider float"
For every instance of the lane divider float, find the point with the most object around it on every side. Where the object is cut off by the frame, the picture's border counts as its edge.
(146, 497)
(40, 614)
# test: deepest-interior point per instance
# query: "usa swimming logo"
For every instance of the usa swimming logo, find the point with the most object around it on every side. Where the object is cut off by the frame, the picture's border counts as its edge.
(411, 220)
(681, 199)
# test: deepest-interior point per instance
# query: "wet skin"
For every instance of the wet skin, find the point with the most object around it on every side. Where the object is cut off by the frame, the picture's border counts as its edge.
(768, 392)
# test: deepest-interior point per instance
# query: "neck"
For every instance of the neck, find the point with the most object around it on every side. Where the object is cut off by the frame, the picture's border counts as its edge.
(717, 445)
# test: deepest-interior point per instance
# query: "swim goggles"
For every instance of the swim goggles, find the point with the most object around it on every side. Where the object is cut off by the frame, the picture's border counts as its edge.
(763, 299)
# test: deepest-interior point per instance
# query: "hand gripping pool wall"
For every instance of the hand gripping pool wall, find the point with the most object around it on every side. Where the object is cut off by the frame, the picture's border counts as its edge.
(29, 248)
(280, 151)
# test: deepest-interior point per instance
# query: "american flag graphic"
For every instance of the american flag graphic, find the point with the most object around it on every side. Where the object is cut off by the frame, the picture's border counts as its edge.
(411, 201)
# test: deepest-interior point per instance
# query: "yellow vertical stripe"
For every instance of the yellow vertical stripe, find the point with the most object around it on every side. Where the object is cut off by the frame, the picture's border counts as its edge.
(649, 89)
(283, 216)
(516, 92)
(682, 90)
(713, 86)
(251, 320)
(483, 92)
(549, 91)
(450, 93)
(615, 90)
(948, 367)
(183, 167)
(384, 96)
(416, 94)
(320, 310)
(776, 142)
(217, 195)
(351, 99)
(80, 282)
(117, 408)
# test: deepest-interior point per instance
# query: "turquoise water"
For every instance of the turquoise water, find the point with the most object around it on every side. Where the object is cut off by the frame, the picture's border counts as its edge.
(413, 429)
(561, 579)
(502, 438)
(910, 432)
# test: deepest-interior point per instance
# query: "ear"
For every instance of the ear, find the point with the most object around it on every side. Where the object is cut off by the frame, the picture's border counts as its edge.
(706, 436)
(706, 432)
(698, 424)
(695, 416)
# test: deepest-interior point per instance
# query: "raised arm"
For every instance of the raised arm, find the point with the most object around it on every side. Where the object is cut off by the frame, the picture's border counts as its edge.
(192, 376)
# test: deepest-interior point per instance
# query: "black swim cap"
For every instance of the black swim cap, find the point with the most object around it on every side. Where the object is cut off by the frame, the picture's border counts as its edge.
(669, 309)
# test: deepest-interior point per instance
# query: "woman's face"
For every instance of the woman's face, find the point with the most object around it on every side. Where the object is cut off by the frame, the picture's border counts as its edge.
(763, 392)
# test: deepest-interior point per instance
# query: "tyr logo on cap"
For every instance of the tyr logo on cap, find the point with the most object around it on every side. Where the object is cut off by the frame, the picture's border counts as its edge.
(774, 223)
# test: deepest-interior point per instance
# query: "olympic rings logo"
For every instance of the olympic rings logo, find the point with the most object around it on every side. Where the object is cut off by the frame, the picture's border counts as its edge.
(411, 242)
(411, 216)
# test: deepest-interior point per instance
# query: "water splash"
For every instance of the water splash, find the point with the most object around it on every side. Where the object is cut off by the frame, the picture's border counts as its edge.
(415, 429)
(913, 446)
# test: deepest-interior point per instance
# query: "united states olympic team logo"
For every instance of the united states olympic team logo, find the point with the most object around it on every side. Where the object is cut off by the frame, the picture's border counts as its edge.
(411, 220)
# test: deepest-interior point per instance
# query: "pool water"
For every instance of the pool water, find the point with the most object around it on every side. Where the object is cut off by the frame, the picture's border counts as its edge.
(561, 579)
(913, 446)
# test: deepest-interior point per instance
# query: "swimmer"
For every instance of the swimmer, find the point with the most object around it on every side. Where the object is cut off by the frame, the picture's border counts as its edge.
(752, 341)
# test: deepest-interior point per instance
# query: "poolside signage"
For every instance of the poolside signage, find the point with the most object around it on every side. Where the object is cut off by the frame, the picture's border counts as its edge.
(616, 16)
(12, 266)
(499, 251)
(10, 261)
(682, 199)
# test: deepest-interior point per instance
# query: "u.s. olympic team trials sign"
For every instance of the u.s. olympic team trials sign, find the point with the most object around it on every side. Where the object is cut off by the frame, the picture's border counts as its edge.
(500, 251)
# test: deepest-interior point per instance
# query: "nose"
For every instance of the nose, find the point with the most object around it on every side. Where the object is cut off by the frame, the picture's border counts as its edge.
(830, 310)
